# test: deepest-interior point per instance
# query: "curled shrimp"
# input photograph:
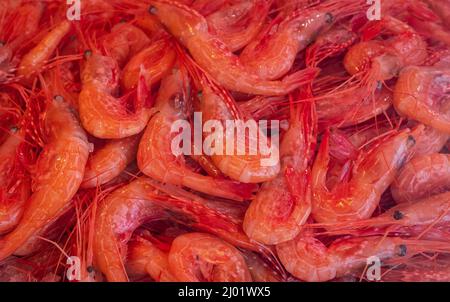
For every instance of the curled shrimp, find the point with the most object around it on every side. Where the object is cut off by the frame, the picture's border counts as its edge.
(59, 172)
(309, 259)
(109, 161)
(421, 94)
(102, 114)
(283, 204)
(37, 57)
(14, 182)
(197, 257)
(236, 25)
(273, 54)
(144, 258)
(191, 29)
(154, 62)
(124, 41)
(156, 158)
(421, 177)
(358, 197)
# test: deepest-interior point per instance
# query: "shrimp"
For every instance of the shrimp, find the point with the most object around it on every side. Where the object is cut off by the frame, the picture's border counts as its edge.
(310, 260)
(195, 257)
(14, 182)
(282, 205)
(421, 94)
(103, 115)
(236, 25)
(373, 173)
(60, 169)
(36, 58)
(421, 177)
(109, 161)
(124, 41)
(430, 141)
(144, 258)
(154, 62)
(273, 54)
(381, 60)
(191, 29)
(156, 158)
(125, 209)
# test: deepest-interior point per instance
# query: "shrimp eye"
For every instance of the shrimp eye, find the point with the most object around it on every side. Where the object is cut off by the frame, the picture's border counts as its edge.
(403, 250)
(87, 53)
(199, 94)
(2, 43)
(90, 269)
(58, 98)
(14, 129)
(398, 215)
(379, 85)
(329, 18)
(152, 10)
(411, 140)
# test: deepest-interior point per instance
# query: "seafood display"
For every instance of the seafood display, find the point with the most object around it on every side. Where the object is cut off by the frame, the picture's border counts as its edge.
(224, 140)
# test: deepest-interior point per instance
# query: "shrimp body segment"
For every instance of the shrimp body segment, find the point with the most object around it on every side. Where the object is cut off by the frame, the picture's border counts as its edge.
(60, 170)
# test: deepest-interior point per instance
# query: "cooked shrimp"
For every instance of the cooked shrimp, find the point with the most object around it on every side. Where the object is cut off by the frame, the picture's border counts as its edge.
(36, 58)
(154, 62)
(372, 175)
(282, 205)
(60, 170)
(198, 257)
(421, 177)
(273, 54)
(144, 258)
(103, 115)
(14, 182)
(191, 29)
(156, 158)
(422, 94)
(309, 259)
(430, 141)
(109, 161)
(236, 25)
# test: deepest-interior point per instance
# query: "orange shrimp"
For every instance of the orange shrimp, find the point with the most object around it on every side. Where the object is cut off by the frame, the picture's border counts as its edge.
(282, 205)
(378, 60)
(126, 208)
(421, 94)
(236, 25)
(36, 58)
(124, 41)
(373, 173)
(60, 169)
(273, 54)
(103, 115)
(14, 182)
(195, 257)
(191, 29)
(109, 161)
(430, 141)
(309, 259)
(155, 156)
(421, 177)
(144, 258)
(154, 62)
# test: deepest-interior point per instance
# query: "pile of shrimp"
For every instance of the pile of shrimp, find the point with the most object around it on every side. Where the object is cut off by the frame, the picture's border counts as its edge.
(90, 189)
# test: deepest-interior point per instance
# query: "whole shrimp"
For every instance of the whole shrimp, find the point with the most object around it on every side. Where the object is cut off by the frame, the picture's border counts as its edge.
(59, 172)
(283, 204)
(102, 114)
(14, 182)
(309, 259)
(156, 158)
(373, 173)
(197, 257)
(109, 161)
(191, 29)
(153, 62)
(423, 176)
(237, 24)
(422, 94)
(273, 54)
